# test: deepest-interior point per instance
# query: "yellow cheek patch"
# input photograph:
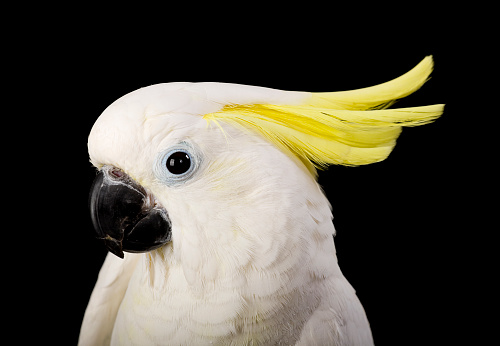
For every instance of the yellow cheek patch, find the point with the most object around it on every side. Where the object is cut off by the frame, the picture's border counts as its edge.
(347, 128)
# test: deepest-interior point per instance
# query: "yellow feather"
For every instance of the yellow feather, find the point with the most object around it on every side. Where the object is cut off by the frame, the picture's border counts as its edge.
(347, 128)
(378, 96)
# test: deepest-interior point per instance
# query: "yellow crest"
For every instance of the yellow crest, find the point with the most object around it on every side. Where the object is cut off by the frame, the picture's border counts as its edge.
(346, 128)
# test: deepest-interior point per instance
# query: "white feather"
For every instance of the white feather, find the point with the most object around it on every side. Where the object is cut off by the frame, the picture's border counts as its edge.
(106, 298)
(252, 256)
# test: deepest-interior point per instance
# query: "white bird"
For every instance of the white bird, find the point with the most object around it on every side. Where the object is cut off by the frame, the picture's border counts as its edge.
(213, 189)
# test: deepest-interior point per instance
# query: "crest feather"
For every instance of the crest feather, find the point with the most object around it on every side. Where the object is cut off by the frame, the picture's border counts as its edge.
(347, 128)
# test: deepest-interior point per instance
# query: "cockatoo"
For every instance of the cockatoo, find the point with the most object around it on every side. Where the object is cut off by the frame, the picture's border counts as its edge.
(211, 189)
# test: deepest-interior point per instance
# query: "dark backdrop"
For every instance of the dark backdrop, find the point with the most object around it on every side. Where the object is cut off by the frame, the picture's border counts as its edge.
(396, 242)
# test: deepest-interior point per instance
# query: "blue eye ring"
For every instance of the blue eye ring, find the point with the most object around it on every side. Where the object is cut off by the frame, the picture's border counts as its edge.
(163, 164)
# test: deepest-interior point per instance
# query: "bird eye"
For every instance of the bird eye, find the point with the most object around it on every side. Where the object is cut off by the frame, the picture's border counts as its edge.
(178, 162)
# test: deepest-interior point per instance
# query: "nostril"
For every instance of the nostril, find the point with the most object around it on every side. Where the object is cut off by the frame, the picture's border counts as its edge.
(116, 172)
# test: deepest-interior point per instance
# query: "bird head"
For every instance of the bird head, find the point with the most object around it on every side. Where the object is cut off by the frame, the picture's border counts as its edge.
(227, 171)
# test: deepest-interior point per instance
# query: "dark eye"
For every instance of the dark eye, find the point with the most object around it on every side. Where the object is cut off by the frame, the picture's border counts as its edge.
(178, 162)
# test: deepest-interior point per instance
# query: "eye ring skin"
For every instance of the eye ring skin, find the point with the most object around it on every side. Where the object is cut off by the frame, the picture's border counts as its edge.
(160, 166)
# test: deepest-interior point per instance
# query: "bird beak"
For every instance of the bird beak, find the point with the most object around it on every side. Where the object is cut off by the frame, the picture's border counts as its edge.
(124, 215)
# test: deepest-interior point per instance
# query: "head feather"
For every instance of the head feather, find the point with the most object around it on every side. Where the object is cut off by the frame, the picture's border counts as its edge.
(346, 128)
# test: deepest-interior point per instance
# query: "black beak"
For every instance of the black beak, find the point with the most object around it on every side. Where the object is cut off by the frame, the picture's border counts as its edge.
(124, 215)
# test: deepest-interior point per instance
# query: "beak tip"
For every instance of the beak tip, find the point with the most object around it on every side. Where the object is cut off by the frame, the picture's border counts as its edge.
(119, 254)
(114, 246)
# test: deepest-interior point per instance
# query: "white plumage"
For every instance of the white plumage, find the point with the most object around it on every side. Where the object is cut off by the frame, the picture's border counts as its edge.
(251, 261)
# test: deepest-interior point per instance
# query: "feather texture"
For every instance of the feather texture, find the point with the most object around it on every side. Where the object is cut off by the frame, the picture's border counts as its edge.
(252, 259)
(378, 96)
(105, 300)
(346, 128)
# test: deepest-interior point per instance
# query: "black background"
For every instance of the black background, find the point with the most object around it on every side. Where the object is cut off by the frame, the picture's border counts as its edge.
(398, 222)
